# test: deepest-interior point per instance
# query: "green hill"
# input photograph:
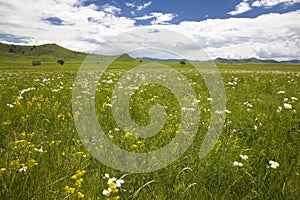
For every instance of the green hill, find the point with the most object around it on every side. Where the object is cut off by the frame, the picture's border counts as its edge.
(47, 56)
(42, 51)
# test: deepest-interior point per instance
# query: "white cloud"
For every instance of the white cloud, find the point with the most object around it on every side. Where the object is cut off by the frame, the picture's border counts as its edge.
(138, 7)
(271, 3)
(111, 9)
(162, 18)
(25, 18)
(145, 17)
(141, 7)
(131, 5)
(269, 36)
(158, 18)
(240, 8)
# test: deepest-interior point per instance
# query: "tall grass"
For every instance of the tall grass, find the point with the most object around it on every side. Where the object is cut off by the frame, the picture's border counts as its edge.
(41, 151)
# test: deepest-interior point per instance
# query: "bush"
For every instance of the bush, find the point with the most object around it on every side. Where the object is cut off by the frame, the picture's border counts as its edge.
(61, 62)
(182, 62)
(36, 62)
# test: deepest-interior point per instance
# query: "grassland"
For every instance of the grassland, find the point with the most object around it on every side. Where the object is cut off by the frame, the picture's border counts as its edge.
(43, 157)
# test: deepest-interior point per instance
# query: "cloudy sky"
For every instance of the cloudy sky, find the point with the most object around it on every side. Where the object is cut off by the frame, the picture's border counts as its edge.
(266, 29)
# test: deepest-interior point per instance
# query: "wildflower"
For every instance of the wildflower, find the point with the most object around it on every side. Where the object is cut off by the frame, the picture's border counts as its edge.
(244, 157)
(39, 150)
(81, 173)
(78, 182)
(197, 101)
(281, 92)
(249, 105)
(8, 122)
(279, 109)
(111, 180)
(23, 169)
(294, 98)
(209, 99)
(273, 164)
(10, 105)
(61, 116)
(32, 163)
(70, 190)
(80, 195)
(119, 182)
(2, 169)
(287, 106)
(127, 134)
(285, 99)
(237, 164)
(106, 192)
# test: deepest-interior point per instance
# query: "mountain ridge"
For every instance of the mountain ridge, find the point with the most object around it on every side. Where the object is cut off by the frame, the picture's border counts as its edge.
(48, 50)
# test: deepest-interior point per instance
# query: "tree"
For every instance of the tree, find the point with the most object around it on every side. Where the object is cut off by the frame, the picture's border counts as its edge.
(182, 62)
(61, 62)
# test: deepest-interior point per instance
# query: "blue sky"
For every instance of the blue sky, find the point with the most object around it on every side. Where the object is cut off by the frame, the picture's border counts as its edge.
(267, 29)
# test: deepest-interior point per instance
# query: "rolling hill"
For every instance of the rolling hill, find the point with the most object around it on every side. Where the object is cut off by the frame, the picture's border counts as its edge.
(53, 52)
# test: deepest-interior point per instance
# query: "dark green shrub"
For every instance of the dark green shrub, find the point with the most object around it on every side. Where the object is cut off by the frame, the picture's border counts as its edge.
(36, 62)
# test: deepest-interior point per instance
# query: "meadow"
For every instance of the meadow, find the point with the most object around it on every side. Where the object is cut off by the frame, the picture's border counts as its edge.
(256, 156)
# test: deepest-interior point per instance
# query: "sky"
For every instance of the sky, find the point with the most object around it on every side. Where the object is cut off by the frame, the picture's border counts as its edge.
(265, 29)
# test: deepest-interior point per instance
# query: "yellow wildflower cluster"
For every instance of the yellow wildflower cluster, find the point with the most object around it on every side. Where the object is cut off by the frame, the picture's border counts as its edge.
(25, 153)
(78, 184)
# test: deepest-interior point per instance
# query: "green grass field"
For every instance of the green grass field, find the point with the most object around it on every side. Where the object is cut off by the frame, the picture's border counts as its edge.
(42, 156)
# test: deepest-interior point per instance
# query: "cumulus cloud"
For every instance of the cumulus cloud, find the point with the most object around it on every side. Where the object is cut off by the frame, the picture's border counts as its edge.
(84, 28)
(111, 9)
(269, 36)
(138, 7)
(240, 8)
(158, 18)
(271, 3)
(131, 5)
(141, 7)
(74, 25)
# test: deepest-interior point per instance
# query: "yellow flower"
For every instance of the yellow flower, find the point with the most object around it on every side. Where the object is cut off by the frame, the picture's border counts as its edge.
(2, 169)
(7, 122)
(32, 162)
(78, 182)
(74, 177)
(61, 116)
(70, 190)
(39, 105)
(139, 142)
(127, 134)
(23, 134)
(81, 173)
(18, 102)
(80, 195)
(134, 146)
(111, 185)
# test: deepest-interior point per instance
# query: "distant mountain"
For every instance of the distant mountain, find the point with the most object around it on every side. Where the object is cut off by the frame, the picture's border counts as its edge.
(162, 60)
(224, 60)
(254, 60)
(54, 51)
(291, 62)
(246, 60)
